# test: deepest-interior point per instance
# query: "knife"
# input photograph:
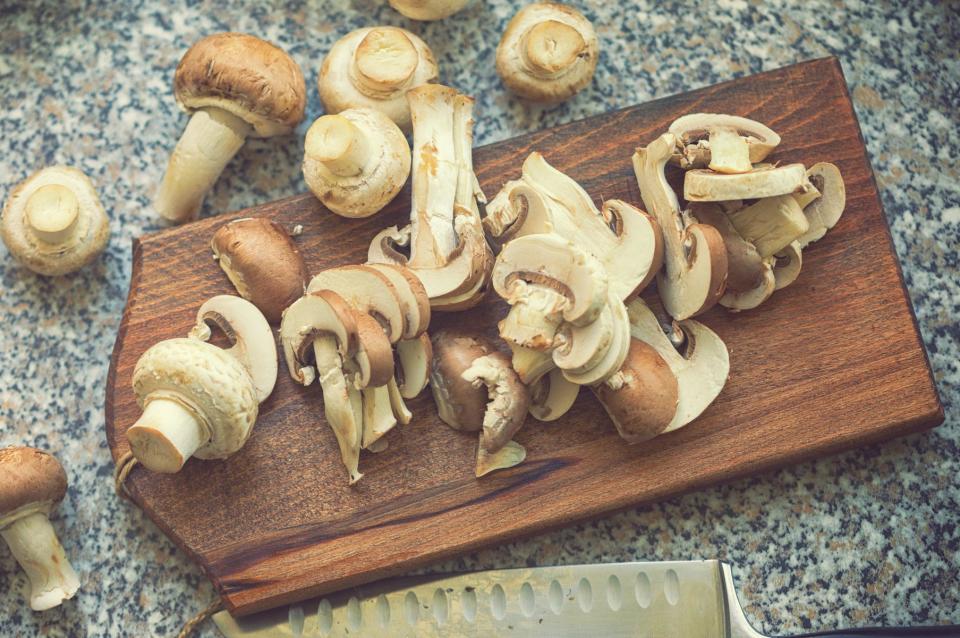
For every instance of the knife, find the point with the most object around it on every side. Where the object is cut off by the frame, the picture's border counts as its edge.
(685, 599)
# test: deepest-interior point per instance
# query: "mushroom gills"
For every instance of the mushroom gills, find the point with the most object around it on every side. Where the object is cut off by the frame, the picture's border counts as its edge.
(35, 545)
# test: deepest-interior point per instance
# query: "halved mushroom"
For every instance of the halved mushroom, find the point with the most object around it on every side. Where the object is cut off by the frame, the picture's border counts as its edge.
(447, 249)
(236, 86)
(701, 369)
(475, 388)
(548, 52)
(428, 9)
(262, 262)
(53, 222)
(374, 67)
(695, 259)
(355, 162)
(824, 212)
(626, 240)
(701, 185)
(698, 133)
(770, 224)
(552, 396)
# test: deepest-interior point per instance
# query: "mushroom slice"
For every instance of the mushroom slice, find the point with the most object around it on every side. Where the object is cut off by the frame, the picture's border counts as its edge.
(508, 402)
(736, 300)
(615, 355)
(530, 364)
(378, 416)
(696, 135)
(788, 264)
(414, 356)
(695, 271)
(413, 297)
(303, 320)
(701, 370)
(745, 266)
(374, 358)
(642, 397)
(577, 349)
(374, 68)
(770, 224)
(547, 53)
(825, 212)
(262, 262)
(369, 291)
(400, 410)
(356, 161)
(53, 222)
(248, 330)
(763, 181)
(552, 396)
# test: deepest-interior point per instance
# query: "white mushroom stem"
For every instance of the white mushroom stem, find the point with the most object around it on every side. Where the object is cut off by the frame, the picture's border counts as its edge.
(35, 546)
(342, 403)
(338, 144)
(52, 212)
(212, 137)
(550, 48)
(383, 62)
(166, 435)
(534, 317)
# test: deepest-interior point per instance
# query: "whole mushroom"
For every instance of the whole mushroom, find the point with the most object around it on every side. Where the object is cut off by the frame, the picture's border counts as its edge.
(32, 483)
(236, 86)
(53, 222)
(428, 10)
(548, 52)
(374, 68)
(355, 162)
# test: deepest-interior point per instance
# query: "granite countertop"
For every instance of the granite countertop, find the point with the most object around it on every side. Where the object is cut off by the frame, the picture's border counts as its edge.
(867, 537)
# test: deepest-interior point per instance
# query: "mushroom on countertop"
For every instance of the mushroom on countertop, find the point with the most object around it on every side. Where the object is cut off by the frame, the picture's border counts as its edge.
(53, 222)
(428, 10)
(373, 68)
(236, 86)
(355, 162)
(548, 52)
(262, 262)
(32, 483)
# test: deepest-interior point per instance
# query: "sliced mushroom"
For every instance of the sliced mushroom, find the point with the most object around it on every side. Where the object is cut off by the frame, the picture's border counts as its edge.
(262, 262)
(642, 397)
(530, 363)
(626, 240)
(702, 368)
(32, 483)
(412, 295)
(695, 272)
(53, 222)
(615, 353)
(763, 181)
(235, 85)
(771, 223)
(787, 266)
(324, 322)
(373, 68)
(428, 9)
(696, 133)
(824, 212)
(369, 291)
(447, 249)
(355, 162)
(414, 357)
(548, 52)
(552, 396)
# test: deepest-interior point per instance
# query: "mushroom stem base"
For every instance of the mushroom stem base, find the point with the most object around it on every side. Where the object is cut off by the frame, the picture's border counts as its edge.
(165, 436)
(212, 137)
(35, 546)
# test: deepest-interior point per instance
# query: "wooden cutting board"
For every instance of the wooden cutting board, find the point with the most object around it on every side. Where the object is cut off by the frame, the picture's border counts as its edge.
(833, 362)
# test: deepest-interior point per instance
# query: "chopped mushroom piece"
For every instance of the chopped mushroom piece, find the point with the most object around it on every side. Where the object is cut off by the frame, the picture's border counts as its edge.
(696, 133)
(355, 162)
(262, 262)
(373, 68)
(428, 9)
(53, 222)
(763, 181)
(476, 389)
(548, 52)
(235, 86)
(552, 396)
(771, 223)
(200, 400)
(788, 264)
(824, 212)
(695, 272)
(32, 483)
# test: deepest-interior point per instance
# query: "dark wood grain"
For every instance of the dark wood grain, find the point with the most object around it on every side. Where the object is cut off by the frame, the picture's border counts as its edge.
(832, 362)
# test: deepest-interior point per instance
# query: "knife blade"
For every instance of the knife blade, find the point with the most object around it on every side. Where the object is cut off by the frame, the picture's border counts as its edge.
(683, 599)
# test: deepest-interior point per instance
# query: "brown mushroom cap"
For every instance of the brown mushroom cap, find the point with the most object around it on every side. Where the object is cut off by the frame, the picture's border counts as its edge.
(27, 476)
(262, 262)
(461, 404)
(249, 77)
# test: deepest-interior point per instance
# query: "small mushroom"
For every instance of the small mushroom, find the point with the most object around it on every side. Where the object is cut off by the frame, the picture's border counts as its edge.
(476, 389)
(698, 133)
(373, 68)
(200, 400)
(701, 185)
(235, 86)
(428, 9)
(823, 212)
(262, 262)
(695, 272)
(32, 483)
(547, 53)
(355, 162)
(53, 222)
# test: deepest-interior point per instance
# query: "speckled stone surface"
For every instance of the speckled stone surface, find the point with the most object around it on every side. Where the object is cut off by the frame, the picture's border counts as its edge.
(867, 537)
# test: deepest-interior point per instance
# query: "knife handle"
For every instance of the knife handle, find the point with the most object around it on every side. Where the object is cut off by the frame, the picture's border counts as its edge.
(938, 631)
